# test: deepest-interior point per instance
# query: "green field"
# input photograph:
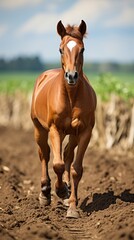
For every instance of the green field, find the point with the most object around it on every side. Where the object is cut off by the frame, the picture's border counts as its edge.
(105, 84)
(17, 81)
(121, 84)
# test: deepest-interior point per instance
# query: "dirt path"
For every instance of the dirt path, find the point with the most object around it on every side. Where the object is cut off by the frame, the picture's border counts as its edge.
(106, 195)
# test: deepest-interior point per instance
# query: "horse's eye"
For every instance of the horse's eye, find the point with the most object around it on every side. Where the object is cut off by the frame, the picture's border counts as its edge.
(82, 50)
(61, 51)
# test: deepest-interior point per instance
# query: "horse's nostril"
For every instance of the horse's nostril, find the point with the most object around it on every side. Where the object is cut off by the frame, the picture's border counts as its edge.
(66, 74)
(76, 75)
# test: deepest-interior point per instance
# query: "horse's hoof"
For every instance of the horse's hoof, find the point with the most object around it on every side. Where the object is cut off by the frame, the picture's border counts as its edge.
(62, 192)
(66, 202)
(72, 213)
(44, 201)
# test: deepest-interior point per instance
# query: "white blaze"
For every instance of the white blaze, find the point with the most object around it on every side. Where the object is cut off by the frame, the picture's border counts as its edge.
(71, 44)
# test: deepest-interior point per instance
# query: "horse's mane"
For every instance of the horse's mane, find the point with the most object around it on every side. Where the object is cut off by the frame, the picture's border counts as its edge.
(74, 32)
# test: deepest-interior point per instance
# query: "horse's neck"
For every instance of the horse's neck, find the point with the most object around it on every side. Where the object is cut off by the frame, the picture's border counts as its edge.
(72, 92)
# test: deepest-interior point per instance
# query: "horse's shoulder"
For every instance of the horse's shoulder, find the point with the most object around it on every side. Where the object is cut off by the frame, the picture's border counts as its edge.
(48, 73)
(52, 71)
(46, 76)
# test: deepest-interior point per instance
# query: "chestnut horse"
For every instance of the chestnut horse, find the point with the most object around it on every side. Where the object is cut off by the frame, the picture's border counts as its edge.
(63, 104)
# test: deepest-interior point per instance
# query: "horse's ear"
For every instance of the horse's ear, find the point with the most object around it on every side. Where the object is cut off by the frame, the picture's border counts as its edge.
(82, 28)
(61, 29)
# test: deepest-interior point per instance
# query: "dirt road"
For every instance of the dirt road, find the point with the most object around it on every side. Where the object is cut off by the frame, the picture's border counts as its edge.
(106, 195)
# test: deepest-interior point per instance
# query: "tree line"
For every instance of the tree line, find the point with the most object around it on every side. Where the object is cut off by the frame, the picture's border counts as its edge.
(109, 67)
(22, 64)
(36, 64)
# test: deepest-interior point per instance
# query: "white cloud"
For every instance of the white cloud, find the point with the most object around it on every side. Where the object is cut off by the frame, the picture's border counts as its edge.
(87, 10)
(105, 13)
(13, 4)
(3, 30)
(46, 22)
(124, 19)
(38, 24)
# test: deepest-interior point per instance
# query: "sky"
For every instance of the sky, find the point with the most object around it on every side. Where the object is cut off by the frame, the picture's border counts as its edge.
(28, 28)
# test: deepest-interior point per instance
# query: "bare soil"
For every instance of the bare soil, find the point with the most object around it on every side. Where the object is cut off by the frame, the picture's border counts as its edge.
(106, 194)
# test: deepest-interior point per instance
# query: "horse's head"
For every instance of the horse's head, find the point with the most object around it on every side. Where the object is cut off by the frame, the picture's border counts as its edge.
(71, 49)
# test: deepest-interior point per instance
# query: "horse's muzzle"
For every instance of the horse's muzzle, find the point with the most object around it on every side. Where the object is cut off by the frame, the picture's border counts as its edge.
(71, 77)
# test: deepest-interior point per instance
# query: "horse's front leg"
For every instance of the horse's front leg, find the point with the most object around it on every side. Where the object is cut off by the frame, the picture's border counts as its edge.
(56, 139)
(76, 172)
(41, 137)
(68, 157)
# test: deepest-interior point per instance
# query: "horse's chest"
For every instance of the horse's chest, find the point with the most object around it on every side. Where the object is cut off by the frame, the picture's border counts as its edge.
(69, 124)
(70, 119)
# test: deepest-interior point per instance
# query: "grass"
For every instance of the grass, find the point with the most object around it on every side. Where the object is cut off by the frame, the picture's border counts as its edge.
(105, 84)
(17, 81)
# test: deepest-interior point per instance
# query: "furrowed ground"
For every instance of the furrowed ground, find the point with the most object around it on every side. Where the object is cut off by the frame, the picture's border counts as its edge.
(106, 194)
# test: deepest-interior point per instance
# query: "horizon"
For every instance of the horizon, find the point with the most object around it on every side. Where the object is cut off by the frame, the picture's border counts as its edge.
(58, 61)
